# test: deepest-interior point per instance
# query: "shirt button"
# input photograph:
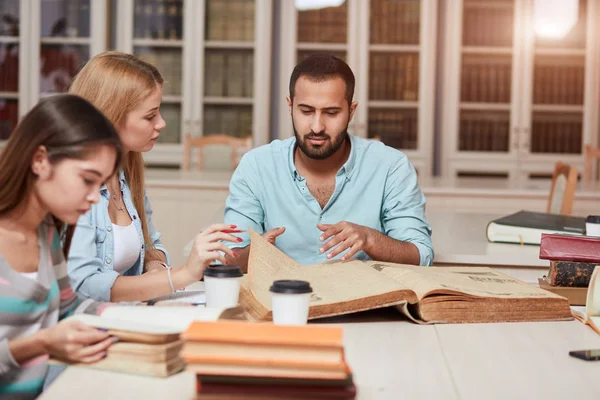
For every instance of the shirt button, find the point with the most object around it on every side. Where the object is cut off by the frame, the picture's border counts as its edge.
(108, 260)
(109, 229)
(134, 217)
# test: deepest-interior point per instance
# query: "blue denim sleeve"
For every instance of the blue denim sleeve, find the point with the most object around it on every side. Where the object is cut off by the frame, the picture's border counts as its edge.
(242, 207)
(403, 213)
(154, 234)
(89, 278)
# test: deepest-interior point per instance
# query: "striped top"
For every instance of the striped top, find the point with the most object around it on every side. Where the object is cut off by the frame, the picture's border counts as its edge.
(27, 305)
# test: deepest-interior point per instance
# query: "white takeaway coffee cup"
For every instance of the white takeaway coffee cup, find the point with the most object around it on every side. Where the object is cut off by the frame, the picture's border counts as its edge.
(592, 225)
(290, 302)
(222, 285)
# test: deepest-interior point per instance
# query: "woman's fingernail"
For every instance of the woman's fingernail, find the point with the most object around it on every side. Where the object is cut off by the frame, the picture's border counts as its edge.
(115, 339)
(328, 255)
(102, 329)
(240, 239)
(321, 238)
(233, 226)
(234, 253)
(321, 250)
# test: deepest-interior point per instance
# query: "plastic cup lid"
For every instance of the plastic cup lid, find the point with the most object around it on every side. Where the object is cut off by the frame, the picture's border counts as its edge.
(223, 271)
(593, 219)
(287, 286)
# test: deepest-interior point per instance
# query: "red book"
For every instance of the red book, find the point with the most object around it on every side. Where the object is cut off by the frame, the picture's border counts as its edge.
(570, 248)
(249, 391)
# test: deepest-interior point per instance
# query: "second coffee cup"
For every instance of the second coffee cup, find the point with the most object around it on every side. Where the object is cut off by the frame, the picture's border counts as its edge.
(222, 285)
(290, 302)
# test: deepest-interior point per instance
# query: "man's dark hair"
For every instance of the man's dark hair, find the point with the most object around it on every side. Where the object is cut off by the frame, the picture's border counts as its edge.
(320, 67)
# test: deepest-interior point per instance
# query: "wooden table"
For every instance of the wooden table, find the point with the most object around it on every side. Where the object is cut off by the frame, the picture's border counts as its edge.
(459, 239)
(402, 360)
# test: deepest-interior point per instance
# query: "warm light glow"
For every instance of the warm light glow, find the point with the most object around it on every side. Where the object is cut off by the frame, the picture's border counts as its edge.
(554, 18)
(303, 5)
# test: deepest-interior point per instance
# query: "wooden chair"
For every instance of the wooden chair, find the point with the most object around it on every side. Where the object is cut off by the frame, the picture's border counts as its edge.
(592, 155)
(562, 191)
(238, 147)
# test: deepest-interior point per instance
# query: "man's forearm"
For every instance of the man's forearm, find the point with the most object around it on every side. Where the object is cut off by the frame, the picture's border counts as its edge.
(381, 247)
(241, 260)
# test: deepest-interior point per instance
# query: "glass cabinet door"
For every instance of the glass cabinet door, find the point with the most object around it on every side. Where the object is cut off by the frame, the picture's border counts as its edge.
(158, 39)
(393, 79)
(324, 29)
(9, 66)
(486, 76)
(65, 42)
(558, 85)
(229, 58)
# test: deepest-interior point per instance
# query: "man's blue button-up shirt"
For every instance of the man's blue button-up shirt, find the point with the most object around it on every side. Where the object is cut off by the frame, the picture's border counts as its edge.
(377, 187)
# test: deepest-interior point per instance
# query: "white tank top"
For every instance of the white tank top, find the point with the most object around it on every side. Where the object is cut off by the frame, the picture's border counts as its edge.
(127, 247)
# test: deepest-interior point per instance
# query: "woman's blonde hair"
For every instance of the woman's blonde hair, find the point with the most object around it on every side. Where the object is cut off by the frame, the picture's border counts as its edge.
(116, 83)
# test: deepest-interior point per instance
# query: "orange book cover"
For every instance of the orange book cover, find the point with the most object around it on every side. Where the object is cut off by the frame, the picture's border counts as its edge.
(266, 333)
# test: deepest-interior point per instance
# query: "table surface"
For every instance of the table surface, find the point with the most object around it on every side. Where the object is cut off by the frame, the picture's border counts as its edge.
(395, 359)
(460, 238)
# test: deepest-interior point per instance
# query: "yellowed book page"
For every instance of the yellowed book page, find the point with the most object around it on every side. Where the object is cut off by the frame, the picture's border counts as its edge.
(476, 281)
(265, 261)
(332, 282)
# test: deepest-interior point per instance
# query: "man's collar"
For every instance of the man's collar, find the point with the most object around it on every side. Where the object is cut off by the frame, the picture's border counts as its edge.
(347, 168)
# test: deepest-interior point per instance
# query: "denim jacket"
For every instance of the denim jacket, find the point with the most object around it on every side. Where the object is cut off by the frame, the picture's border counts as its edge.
(90, 264)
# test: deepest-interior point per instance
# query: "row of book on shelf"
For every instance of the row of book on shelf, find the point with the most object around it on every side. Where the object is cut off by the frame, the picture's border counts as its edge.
(395, 128)
(395, 22)
(393, 76)
(489, 131)
(324, 25)
(490, 82)
(489, 24)
(158, 19)
(230, 20)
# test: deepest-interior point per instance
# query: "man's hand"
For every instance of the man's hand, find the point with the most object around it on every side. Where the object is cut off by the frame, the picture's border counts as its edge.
(272, 234)
(344, 235)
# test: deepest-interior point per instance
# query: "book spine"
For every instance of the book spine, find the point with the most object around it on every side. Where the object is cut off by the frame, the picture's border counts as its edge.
(570, 274)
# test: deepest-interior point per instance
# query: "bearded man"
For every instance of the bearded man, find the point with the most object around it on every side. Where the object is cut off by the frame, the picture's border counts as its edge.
(325, 194)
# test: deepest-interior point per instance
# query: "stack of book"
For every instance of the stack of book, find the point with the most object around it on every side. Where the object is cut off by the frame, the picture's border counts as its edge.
(572, 261)
(244, 360)
(148, 337)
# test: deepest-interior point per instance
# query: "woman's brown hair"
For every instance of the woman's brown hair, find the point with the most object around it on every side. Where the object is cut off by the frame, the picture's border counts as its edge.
(69, 127)
(116, 83)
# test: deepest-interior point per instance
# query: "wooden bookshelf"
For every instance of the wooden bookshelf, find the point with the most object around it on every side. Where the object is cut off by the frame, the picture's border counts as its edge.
(541, 92)
(212, 54)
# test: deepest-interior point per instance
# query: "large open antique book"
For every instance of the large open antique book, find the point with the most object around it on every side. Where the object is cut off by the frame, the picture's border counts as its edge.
(423, 294)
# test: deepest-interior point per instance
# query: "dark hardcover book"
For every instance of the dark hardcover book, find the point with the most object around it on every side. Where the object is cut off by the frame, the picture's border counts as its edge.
(250, 391)
(570, 248)
(527, 227)
(262, 381)
(570, 273)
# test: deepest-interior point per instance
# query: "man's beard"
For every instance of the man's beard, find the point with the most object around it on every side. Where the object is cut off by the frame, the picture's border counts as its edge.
(324, 151)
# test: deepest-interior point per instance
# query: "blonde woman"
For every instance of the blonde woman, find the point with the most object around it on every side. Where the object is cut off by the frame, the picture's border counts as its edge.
(115, 244)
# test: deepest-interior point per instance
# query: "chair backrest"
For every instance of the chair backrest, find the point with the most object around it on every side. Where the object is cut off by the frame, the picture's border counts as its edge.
(562, 191)
(592, 155)
(238, 147)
